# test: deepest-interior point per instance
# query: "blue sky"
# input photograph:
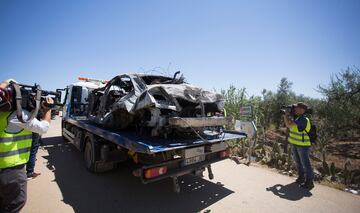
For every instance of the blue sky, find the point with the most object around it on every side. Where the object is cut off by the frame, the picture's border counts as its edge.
(250, 44)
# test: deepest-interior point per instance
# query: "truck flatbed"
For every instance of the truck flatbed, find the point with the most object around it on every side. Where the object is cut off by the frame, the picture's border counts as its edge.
(148, 145)
(151, 158)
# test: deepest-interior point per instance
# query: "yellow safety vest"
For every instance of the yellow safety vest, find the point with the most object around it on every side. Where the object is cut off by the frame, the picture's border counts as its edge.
(300, 138)
(14, 147)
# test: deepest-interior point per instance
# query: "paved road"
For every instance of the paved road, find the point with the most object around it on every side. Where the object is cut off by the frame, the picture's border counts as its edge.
(65, 186)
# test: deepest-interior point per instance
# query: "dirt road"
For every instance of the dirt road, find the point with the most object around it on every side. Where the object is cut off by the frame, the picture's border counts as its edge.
(66, 186)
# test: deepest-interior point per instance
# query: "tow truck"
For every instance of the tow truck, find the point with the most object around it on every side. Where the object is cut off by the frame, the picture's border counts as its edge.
(152, 158)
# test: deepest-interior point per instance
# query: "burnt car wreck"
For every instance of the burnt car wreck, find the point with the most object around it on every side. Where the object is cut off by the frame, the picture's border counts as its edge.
(158, 106)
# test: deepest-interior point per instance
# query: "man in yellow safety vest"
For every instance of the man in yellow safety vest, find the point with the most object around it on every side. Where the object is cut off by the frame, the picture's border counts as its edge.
(300, 144)
(15, 143)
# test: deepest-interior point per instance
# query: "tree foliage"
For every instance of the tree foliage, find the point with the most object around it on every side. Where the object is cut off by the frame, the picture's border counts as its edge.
(336, 116)
(234, 99)
(283, 97)
(341, 109)
(338, 112)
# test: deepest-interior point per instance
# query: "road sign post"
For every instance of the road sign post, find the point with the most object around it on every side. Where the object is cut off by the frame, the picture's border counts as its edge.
(249, 127)
(246, 111)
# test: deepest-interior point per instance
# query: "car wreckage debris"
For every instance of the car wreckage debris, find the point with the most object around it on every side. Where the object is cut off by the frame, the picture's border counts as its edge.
(157, 106)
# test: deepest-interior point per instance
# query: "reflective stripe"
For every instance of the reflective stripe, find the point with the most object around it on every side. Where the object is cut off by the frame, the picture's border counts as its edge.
(300, 140)
(14, 147)
(15, 138)
(300, 137)
(296, 133)
(15, 152)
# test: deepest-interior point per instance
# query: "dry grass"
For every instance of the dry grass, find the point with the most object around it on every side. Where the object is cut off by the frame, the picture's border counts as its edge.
(338, 153)
(335, 185)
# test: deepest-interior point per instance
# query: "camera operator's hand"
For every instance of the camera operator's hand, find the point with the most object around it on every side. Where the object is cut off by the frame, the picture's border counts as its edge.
(46, 105)
(288, 123)
(287, 113)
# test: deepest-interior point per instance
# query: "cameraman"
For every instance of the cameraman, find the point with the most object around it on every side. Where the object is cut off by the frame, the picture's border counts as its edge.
(15, 143)
(300, 143)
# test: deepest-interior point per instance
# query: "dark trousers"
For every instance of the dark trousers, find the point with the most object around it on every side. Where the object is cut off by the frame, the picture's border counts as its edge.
(302, 160)
(13, 184)
(30, 166)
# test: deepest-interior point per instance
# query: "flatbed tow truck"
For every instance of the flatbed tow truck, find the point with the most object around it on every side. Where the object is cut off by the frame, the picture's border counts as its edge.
(153, 158)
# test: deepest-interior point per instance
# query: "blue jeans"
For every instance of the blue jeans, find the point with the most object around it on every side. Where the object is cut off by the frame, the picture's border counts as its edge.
(302, 160)
(34, 148)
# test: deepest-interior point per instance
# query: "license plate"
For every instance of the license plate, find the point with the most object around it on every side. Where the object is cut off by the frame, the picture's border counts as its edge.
(193, 160)
(194, 155)
(218, 147)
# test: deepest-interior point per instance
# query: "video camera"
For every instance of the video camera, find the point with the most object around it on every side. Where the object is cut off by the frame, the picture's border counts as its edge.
(288, 108)
(291, 109)
(30, 98)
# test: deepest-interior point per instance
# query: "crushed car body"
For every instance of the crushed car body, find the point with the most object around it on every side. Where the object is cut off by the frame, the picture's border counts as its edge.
(158, 106)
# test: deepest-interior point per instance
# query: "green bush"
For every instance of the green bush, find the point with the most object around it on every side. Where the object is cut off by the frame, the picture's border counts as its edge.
(337, 116)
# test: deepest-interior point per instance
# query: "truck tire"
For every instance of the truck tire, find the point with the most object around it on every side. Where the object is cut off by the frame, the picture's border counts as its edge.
(91, 153)
(63, 137)
(92, 156)
(62, 131)
(79, 140)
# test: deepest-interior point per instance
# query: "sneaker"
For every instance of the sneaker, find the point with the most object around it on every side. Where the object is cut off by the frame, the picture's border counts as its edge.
(307, 185)
(300, 180)
(32, 175)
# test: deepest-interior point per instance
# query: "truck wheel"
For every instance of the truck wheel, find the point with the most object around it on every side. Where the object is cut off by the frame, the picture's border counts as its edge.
(90, 153)
(79, 139)
(63, 137)
(62, 131)
(92, 156)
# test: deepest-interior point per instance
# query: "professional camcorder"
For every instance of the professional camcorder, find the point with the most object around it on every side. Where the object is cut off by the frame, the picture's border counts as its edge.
(20, 96)
(291, 108)
(288, 108)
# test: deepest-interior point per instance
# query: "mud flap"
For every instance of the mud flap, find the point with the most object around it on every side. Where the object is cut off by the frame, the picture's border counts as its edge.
(104, 166)
(176, 184)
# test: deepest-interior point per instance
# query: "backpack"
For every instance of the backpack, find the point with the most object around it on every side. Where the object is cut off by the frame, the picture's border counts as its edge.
(312, 133)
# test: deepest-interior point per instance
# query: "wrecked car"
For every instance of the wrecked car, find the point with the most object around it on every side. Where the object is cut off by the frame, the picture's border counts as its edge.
(158, 105)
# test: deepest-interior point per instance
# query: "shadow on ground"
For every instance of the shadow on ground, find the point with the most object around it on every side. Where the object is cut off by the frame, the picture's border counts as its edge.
(119, 191)
(290, 191)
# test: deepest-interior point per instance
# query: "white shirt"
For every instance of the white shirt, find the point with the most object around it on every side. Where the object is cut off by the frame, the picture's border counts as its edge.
(15, 126)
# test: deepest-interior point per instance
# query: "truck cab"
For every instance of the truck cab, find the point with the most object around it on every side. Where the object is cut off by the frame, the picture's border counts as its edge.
(76, 98)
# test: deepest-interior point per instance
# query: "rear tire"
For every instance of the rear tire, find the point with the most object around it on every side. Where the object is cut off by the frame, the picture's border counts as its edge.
(92, 159)
(91, 154)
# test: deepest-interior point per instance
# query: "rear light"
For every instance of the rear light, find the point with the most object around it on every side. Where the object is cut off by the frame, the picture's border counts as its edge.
(154, 172)
(225, 153)
(137, 172)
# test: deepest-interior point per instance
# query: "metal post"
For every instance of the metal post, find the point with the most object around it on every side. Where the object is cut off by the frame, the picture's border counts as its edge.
(252, 145)
(176, 184)
(211, 175)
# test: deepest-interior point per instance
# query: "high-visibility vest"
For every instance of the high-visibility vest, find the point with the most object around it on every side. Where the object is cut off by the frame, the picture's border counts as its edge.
(300, 138)
(14, 147)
